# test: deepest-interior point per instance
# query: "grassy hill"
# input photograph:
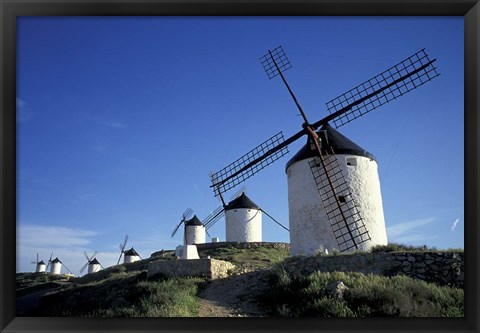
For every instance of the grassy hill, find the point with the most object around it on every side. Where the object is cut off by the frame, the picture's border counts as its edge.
(125, 291)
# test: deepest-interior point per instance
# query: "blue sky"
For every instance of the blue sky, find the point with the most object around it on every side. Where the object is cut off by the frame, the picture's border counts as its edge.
(120, 120)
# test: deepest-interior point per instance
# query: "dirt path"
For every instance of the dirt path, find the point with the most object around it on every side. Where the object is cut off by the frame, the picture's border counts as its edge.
(234, 296)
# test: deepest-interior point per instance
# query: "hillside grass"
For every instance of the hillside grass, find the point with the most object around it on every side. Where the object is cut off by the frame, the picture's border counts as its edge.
(124, 294)
(367, 296)
(399, 247)
(123, 291)
(253, 258)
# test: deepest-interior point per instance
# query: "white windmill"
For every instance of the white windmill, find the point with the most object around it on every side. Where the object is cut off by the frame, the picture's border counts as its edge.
(92, 263)
(243, 218)
(56, 267)
(40, 266)
(194, 229)
(334, 196)
(129, 255)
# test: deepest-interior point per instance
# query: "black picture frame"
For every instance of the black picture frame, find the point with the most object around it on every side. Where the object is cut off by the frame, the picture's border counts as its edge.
(10, 9)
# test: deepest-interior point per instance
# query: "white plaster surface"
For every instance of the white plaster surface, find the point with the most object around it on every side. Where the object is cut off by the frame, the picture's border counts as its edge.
(310, 229)
(93, 268)
(129, 259)
(40, 268)
(194, 234)
(189, 252)
(243, 225)
(56, 268)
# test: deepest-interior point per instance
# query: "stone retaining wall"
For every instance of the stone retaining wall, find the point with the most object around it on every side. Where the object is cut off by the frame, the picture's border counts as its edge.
(238, 245)
(209, 268)
(445, 268)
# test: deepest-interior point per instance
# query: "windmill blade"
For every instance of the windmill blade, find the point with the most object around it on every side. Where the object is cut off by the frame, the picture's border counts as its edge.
(213, 217)
(67, 268)
(396, 81)
(37, 259)
(342, 212)
(49, 261)
(273, 219)
(187, 214)
(177, 227)
(249, 164)
(275, 62)
(86, 256)
(83, 268)
(122, 248)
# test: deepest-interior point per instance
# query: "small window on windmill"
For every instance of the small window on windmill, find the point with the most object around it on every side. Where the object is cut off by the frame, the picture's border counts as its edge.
(341, 199)
(351, 161)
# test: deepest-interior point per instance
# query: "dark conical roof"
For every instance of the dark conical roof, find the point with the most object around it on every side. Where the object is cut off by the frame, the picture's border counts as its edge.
(94, 262)
(241, 202)
(56, 260)
(131, 252)
(40, 263)
(193, 221)
(330, 138)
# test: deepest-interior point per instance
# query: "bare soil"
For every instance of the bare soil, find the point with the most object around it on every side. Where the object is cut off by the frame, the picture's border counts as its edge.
(235, 296)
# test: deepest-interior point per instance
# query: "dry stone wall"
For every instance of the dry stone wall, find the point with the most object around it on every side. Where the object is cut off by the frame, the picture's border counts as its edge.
(209, 268)
(444, 268)
(240, 245)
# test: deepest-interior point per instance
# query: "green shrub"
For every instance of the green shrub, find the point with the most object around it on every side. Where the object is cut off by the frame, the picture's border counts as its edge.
(367, 296)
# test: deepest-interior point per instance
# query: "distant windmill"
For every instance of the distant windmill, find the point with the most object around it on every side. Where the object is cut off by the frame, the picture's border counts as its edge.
(194, 229)
(92, 263)
(57, 267)
(40, 265)
(333, 186)
(129, 255)
(243, 218)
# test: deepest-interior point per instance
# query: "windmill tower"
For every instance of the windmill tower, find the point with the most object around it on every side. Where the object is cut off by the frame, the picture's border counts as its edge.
(344, 217)
(309, 227)
(128, 255)
(56, 267)
(131, 256)
(92, 263)
(194, 229)
(243, 218)
(40, 266)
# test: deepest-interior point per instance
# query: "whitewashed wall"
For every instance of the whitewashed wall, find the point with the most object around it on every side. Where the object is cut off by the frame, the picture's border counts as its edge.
(93, 268)
(56, 268)
(129, 259)
(194, 234)
(40, 268)
(310, 228)
(243, 225)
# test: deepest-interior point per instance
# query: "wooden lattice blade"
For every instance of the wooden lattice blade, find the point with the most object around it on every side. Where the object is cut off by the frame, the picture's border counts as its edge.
(396, 81)
(347, 224)
(249, 164)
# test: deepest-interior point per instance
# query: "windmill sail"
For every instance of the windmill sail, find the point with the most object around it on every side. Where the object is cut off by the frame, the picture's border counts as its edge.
(407, 75)
(392, 83)
(219, 212)
(188, 212)
(249, 164)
